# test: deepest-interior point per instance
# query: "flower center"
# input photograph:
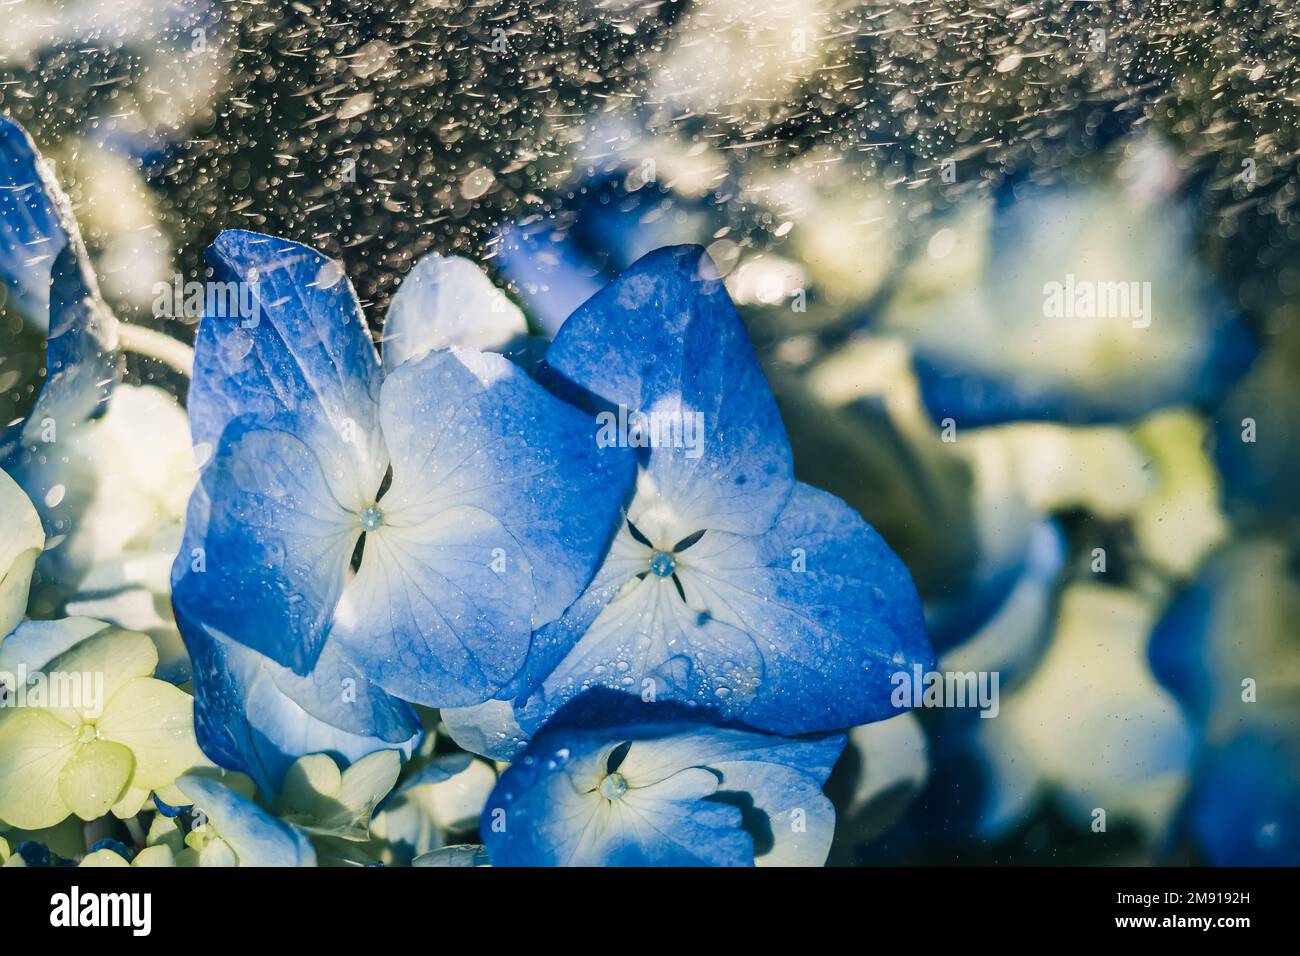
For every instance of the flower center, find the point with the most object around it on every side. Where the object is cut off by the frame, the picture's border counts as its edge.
(371, 519)
(613, 786)
(87, 733)
(663, 564)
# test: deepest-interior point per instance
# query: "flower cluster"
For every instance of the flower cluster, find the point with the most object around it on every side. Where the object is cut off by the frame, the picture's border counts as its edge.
(668, 634)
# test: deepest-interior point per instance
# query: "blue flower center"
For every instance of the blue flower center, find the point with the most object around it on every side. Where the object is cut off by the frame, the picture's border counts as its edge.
(613, 786)
(372, 519)
(663, 564)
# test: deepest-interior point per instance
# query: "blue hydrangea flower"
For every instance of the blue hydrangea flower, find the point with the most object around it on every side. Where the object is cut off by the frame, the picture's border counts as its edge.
(612, 781)
(730, 584)
(484, 503)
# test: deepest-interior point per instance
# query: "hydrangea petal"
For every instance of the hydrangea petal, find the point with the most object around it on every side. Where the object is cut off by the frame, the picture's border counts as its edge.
(34, 748)
(648, 641)
(460, 854)
(831, 608)
(36, 223)
(82, 367)
(33, 644)
(489, 729)
(104, 857)
(664, 338)
(324, 801)
(552, 274)
(43, 265)
(500, 506)
(95, 777)
(796, 631)
(109, 660)
(295, 345)
(277, 535)
(445, 302)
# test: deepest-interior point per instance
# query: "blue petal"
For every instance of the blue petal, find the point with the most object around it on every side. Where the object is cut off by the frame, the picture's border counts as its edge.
(664, 338)
(782, 649)
(976, 398)
(1181, 650)
(696, 794)
(291, 344)
(36, 224)
(500, 507)
(276, 534)
(553, 276)
(257, 838)
(44, 267)
(775, 782)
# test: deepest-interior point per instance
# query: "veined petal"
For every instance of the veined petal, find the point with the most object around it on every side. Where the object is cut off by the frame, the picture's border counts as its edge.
(664, 340)
(269, 528)
(775, 782)
(287, 337)
(625, 558)
(445, 302)
(34, 748)
(648, 642)
(427, 616)
(830, 607)
(671, 823)
(500, 507)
